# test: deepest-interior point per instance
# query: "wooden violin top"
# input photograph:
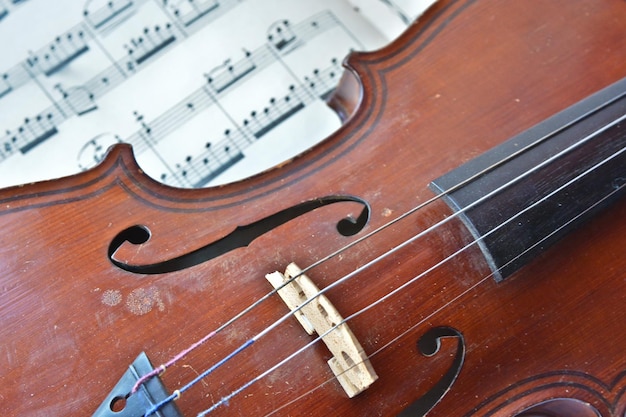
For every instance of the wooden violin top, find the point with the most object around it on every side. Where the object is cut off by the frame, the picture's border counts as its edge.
(79, 302)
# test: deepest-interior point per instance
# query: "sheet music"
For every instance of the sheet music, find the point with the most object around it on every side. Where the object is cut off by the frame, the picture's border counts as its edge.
(206, 91)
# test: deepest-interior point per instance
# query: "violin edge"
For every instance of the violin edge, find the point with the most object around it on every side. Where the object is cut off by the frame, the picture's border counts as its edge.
(350, 102)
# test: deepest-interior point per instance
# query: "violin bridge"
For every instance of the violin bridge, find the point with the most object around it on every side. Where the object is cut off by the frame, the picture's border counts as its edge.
(349, 362)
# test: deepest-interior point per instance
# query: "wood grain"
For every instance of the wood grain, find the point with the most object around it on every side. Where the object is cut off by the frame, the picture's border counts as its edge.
(468, 76)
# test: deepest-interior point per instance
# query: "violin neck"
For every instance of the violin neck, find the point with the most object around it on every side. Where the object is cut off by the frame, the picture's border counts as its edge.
(522, 196)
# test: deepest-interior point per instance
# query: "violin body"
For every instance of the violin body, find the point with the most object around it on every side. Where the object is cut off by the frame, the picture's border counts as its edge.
(547, 341)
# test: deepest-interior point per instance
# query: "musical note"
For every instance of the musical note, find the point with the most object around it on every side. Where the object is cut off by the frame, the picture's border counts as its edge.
(70, 45)
(151, 42)
(31, 133)
(47, 60)
(281, 35)
(7, 146)
(82, 98)
(217, 158)
(323, 82)
(190, 106)
(12, 79)
(5, 87)
(105, 81)
(77, 68)
(276, 113)
(190, 11)
(107, 14)
(59, 53)
(227, 74)
(201, 169)
(79, 99)
(3, 11)
(146, 129)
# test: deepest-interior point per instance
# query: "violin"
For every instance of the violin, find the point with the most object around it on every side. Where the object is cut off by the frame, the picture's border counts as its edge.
(455, 249)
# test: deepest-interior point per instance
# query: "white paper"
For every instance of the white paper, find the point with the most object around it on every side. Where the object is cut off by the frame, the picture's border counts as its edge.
(206, 91)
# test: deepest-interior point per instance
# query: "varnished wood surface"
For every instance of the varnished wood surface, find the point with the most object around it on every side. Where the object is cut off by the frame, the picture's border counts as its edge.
(470, 75)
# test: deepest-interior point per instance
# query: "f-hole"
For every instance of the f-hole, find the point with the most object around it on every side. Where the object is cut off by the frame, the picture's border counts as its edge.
(429, 345)
(241, 237)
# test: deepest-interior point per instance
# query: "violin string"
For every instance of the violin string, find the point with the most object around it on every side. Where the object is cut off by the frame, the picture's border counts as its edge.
(161, 368)
(447, 259)
(360, 269)
(444, 306)
(345, 278)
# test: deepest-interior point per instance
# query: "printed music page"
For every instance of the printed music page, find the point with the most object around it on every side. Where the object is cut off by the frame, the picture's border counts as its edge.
(206, 91)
